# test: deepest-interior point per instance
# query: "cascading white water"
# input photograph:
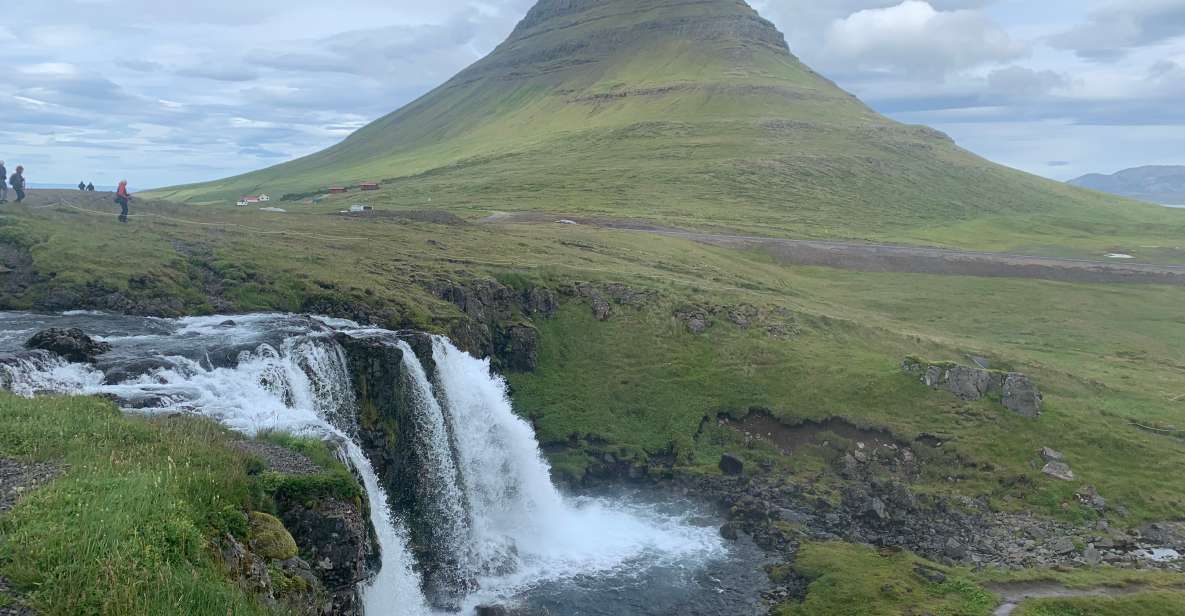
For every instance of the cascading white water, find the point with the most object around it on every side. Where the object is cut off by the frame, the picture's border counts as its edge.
(491, 502)
(34, 372)
(525, 532)
(442, 501)
(303, 387)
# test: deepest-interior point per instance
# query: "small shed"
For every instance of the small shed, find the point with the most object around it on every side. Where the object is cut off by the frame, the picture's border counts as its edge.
(337, 190)
(242, 202)
(369, 186)
(264, 198)
(358, 207)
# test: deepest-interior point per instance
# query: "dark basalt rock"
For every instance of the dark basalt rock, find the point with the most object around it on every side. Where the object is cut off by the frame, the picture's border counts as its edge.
(72, 344)
(520, 349)
(338, 543)
(387, 434)
(731, 464)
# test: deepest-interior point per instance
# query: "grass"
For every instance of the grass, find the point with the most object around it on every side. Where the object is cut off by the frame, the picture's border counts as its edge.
(850, 580)
(1159, 603)
(125, 529)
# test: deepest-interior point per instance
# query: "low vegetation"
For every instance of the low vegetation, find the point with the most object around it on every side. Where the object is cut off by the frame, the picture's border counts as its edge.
(127, 527)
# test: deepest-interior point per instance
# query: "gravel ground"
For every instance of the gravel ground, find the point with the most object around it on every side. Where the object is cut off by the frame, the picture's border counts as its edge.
(279, 459)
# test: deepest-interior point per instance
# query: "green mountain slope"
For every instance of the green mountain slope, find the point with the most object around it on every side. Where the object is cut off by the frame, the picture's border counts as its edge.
(688, 110)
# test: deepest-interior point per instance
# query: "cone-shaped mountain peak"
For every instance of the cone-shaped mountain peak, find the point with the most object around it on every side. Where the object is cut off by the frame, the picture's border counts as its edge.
(682, 109)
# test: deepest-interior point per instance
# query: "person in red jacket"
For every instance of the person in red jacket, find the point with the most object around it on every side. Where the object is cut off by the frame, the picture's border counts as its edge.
(122, 197)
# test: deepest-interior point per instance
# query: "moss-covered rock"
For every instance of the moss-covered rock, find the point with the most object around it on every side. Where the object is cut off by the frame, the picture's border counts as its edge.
(269, 538)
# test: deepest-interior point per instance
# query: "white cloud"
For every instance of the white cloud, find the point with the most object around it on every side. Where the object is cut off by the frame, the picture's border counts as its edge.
(1116, 27)
(915, 36)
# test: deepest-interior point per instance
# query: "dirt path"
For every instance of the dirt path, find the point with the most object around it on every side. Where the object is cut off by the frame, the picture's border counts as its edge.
(868, 257)
(1016, 594)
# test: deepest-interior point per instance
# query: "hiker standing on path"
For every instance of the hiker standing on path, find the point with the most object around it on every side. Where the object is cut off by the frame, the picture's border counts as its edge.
(90, 187)
(18, 183)
(81, 186)
(3, 183)
(122, 196)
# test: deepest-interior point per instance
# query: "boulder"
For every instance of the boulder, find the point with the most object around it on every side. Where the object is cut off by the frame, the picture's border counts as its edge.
(1089, 496)
(1058, 470)
(1017, 393)
(72, 344)
(968, 383)
(731, 464)
(1051, 455)
(1092, 556)
(1021, 396)
(1062, 545)
(269, 538)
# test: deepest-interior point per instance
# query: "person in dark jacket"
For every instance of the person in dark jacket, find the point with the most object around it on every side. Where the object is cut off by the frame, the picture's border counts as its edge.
(81, 186)
(90, 187)
(122, 197)
(3, 183)
(17, 180)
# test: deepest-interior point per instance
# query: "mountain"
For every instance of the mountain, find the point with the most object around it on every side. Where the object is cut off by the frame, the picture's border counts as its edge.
(1156, 183)
(693, 111)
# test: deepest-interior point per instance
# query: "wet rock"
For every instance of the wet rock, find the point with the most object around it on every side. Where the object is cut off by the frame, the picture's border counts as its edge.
(1021, 396)
(731, 464)
(492, 610)
(130, 370)
(1058, 470)
(729, 531)
(72, 344)
(336, 538)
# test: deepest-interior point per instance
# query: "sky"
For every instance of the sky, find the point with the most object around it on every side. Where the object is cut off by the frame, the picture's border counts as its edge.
(180, 91)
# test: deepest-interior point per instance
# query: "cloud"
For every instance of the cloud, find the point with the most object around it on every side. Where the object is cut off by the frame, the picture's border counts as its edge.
(914, 36)
(1021, 81)
(142, 66)
(1115, 28)
(216, 72)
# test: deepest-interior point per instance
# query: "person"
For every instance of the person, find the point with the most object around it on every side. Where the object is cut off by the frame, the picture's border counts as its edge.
(122, 196)
(3, 183)
(90, 187)
(81, 186)
(17, 180)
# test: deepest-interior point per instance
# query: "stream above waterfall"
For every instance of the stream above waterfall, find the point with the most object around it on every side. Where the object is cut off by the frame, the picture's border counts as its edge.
(505, 533)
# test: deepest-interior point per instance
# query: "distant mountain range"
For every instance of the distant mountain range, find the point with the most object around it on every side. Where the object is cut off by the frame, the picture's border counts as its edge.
(1156, 183)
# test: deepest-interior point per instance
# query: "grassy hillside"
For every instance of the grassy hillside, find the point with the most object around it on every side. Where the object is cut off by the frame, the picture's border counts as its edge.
(693, 112)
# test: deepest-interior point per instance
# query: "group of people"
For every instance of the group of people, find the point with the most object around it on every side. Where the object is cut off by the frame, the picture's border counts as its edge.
(16, 180)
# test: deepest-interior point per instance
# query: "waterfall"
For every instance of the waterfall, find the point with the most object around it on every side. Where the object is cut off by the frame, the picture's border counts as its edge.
(439, 493)
(491, 523)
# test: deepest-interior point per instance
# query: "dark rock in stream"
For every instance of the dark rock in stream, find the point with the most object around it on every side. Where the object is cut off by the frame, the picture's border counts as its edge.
(72, 344)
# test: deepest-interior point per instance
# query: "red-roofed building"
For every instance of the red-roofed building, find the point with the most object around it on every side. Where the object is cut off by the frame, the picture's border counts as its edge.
(369, 186)
(338, 189)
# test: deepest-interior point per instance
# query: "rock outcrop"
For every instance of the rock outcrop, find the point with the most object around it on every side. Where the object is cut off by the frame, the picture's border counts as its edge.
(388, 434)
(72, 344)
(1015, 391)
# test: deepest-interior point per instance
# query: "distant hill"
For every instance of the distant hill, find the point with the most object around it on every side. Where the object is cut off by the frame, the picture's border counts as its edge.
(1155, 183)
(686, 110)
